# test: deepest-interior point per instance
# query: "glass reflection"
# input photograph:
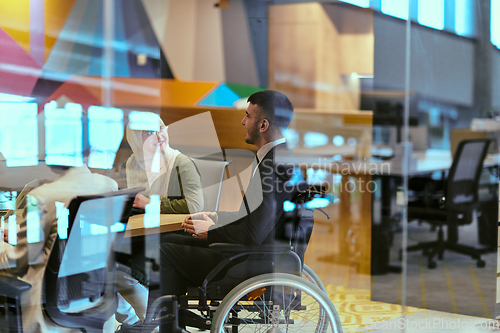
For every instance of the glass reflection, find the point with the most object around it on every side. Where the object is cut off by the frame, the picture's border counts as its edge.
(291, 136)
(431, 13)
(15, 98)
(90, 240)
(143, 121)
(316, 176)
(105, 134)
(12, 230)
(464, 17)
(396, 8)
(152, 212)
(62, 214)
(118, 227)
(288, 206)
(313, 139)
(63, 134)
(2, 228)
(19, 133)
(34, 230)
(338, 140)
(495, 22)
(360, 3)
(317, 203)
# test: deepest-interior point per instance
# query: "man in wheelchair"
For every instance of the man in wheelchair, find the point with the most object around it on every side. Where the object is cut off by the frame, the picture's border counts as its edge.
(186, 261)
(255, 240)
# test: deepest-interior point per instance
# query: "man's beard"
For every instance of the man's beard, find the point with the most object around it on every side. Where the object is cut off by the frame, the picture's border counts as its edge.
(252, 135)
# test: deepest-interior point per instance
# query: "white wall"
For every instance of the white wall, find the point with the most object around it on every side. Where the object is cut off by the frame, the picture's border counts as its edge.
(241, 66)
(190, 33)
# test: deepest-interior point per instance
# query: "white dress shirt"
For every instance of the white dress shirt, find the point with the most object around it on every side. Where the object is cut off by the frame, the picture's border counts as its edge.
(262, 152)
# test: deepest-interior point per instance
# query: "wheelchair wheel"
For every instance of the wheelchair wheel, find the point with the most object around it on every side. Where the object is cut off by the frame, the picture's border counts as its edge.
(274, 303)
(309, 275)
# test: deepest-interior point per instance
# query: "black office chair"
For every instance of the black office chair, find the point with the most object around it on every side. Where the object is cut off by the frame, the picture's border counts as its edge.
(258, 288)
(79, 280)
(455, 205)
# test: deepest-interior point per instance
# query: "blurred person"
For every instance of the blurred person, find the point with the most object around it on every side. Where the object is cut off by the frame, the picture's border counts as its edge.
(165, 172)
(188, 260)
(162, 171)
(27, 261)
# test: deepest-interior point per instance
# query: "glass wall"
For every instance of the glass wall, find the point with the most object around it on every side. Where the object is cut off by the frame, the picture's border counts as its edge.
(71, 75)
(440, 262)
(429, 81)
(384, 93)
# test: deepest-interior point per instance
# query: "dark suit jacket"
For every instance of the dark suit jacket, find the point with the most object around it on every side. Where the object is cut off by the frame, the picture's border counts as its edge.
(265, 197)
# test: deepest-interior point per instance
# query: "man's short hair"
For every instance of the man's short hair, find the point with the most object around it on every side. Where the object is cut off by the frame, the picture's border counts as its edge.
(274, 106)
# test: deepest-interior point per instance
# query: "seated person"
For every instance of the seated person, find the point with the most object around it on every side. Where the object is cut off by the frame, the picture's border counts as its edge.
(172, 176)
(27, 260)
(187, 260)
(163, 171)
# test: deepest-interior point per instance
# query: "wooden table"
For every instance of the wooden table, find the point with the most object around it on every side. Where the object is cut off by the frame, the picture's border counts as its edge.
(135, 228)
(168, 222)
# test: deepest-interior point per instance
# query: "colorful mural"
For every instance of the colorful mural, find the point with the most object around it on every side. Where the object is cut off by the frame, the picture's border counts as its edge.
(226, 94)
(53, 50)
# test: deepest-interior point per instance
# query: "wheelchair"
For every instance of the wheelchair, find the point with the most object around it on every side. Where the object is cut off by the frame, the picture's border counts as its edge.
(263, 288)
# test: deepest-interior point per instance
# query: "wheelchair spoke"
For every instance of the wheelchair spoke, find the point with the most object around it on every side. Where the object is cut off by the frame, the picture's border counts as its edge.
(280, 308)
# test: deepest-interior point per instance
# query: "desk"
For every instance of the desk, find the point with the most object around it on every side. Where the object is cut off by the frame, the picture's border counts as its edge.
(135, 228)
(427, 162)
(433, 160)
(168, 222)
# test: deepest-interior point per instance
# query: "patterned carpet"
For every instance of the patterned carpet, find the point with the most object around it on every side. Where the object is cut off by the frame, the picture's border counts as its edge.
(359, 314)
(357, 310)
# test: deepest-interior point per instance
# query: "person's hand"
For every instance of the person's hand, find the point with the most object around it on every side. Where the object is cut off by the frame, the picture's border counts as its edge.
(197, 225)
(141, 201)
(199, 216)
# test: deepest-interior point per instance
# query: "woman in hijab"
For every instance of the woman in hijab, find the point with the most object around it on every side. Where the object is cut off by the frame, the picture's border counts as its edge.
(162, 171)
(165, 172)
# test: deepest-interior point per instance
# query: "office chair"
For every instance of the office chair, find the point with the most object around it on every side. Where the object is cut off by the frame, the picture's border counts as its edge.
(212, 175)
(79, 279)
(454, 206)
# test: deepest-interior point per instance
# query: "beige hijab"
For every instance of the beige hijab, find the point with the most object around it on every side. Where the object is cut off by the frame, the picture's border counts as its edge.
(149, 170)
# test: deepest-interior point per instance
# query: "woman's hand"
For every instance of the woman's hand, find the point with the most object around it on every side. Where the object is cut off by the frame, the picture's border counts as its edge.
(197, 225)
(141, 201)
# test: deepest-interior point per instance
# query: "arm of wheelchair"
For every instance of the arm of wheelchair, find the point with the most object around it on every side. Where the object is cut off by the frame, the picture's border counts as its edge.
(12, 287)
(229, 249)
